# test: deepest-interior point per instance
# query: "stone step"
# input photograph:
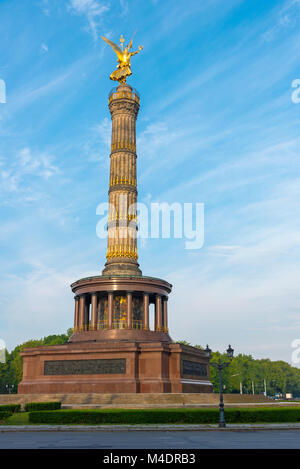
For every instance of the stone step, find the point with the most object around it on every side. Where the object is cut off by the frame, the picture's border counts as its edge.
(134, 400)
(172, 406)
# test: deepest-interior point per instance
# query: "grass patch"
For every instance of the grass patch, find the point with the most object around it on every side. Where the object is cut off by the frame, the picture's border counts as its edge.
(21, 418)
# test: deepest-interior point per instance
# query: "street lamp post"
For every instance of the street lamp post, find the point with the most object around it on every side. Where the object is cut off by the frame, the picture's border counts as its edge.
(220, 365)
(9, 388)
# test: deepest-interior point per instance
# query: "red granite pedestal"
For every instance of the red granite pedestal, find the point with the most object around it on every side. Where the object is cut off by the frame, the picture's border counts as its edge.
(115, 367)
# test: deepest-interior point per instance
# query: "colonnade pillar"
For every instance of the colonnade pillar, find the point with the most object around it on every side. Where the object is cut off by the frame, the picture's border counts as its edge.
(110, 310)
(76, 314)
(146, 311)
(158, 313)
(81, 312)
(165, 314)
(94, 312)
(129, 310)
(86, 314)
(83, 302)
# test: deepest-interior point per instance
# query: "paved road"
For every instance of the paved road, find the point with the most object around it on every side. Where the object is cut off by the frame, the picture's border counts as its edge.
(153, 440)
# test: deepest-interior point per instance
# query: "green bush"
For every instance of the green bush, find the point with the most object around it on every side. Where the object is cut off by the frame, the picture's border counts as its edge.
(263, 415)
(10, 408)
(4, 415)
(164, 416)
(37, 406)
(121, 416)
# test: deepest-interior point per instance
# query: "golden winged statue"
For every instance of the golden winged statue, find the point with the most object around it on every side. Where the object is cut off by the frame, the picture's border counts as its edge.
(123, 70)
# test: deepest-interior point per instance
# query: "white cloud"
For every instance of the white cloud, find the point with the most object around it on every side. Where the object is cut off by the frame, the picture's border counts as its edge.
(92, 10)
(104, 130)
(39, 164)
(153, 139)
(252, 313)
(285, 18)
(124, 6)
(273, 245)
(26, 163)
(45, 7)
(96, 143)
(43, 305)
(9, 181)
(44, 48)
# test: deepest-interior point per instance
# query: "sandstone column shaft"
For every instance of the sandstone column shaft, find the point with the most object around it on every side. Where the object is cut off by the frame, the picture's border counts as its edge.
(158, 312)
(86, 314)
(129, 310)
(110, 310)
(122, 221)
(81, 312)
(165, 314)
(94, 312)
(146, 311)
(76, 314)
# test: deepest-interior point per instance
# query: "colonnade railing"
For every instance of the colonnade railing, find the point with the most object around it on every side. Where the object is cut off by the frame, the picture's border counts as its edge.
(86, 317)
(101, 325)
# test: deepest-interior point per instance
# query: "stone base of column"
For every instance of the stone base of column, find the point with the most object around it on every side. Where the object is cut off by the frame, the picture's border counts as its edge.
(119, 267)
(121, 335)
(114, 367)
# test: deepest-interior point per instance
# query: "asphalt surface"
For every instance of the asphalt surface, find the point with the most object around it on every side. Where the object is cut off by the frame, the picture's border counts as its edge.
(260, 439)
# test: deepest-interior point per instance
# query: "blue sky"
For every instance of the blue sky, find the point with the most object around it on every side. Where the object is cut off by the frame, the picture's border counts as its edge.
(216, 125)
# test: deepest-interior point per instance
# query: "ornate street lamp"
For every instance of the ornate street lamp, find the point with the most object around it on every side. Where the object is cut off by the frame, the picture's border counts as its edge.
(220, 365)
(9, 388)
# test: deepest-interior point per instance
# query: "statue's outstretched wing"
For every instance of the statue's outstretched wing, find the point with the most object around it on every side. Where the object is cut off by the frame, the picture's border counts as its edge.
(115, 47)
(130, 44)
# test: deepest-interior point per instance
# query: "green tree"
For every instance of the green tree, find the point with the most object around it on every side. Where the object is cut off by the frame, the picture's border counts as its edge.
(12, 370)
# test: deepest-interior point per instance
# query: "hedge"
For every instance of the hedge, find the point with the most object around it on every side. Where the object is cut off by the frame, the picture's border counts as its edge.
(263, 415)
(37, 406)
(165, 416)
(4, 415)
(10, 408)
